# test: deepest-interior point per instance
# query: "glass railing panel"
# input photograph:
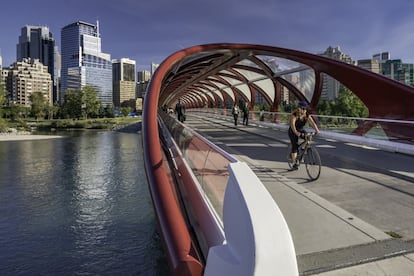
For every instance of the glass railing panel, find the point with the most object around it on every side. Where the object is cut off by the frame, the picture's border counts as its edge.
(208, 163)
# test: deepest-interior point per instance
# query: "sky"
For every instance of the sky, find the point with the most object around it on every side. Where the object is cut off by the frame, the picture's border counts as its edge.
(148, 31)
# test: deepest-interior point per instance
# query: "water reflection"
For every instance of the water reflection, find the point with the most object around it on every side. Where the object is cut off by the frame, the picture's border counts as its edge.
(77, 205)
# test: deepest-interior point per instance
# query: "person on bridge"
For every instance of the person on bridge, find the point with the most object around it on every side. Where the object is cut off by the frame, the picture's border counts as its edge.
(246, 114)
(180, 111)
(235, 111)
(298, 120)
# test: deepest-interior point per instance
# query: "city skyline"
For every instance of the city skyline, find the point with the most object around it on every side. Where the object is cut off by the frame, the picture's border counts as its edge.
(149, 32)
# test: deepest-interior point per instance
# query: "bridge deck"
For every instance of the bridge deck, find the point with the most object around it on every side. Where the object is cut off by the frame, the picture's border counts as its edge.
(339, 222)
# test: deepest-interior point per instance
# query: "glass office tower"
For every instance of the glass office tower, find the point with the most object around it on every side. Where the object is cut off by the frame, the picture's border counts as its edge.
(83, 63)
(37, 42)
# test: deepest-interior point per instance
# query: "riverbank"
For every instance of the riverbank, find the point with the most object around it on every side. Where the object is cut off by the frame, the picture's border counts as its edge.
(121, 125)
(23, 137)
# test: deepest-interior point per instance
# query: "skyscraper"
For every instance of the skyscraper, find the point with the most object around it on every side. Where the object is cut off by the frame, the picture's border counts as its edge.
(83, 63)
(372, 65)
(123, 82)
(397, 70)
(330, 86)
(143, 78)
(382, 57)
(37, 42)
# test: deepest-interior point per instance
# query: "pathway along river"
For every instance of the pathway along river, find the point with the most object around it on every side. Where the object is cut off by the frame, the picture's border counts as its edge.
(77, 205)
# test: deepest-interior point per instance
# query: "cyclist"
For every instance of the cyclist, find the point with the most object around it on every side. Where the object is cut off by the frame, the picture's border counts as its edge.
(298, 119)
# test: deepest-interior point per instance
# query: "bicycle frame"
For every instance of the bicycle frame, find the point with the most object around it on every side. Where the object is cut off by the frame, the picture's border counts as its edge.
(307, 154)
(304, 146)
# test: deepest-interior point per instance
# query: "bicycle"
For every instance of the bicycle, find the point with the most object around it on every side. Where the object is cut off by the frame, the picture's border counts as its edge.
(308, 155)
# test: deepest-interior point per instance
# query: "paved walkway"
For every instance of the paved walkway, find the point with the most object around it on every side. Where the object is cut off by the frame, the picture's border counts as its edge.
(329, 239)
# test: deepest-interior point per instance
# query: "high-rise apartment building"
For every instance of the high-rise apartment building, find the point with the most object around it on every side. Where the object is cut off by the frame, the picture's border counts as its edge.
(143, 78)
(83, 63)
(37, 42)
(123, 79)
(154, 67)
(27, 77)
(382, 57)
(397, 70)
(2, 72)
(330, 86)
(372, 65)
(2, 77)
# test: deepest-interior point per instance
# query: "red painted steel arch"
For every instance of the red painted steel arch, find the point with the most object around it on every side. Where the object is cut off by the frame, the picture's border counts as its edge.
(382, 96)
(186, 68)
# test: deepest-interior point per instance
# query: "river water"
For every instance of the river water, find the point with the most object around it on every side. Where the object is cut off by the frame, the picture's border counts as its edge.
(77, 205)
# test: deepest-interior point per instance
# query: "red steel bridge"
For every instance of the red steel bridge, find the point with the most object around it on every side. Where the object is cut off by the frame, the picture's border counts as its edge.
(219, 75)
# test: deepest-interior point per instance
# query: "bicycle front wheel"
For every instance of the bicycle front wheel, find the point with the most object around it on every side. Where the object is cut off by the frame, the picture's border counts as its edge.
(312, 163)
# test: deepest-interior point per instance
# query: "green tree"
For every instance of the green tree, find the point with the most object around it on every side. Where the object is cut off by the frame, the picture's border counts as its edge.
(349, 105)
(125, 110)
(90, 103)
(14, 111)
(52, 111)
(39, 105)
(109, 111)
(72, 106)
(324, 107)
(3, 123)
(2, 94)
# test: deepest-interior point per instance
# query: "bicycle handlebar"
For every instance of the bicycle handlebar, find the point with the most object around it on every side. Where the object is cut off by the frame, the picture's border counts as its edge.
(307, 135)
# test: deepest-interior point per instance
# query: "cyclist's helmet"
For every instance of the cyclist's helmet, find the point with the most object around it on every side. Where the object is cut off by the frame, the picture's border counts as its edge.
(303, 104)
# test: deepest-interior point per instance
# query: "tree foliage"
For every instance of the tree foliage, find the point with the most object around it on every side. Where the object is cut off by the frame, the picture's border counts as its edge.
(3, 123)
(39, 105)
(346, 104)
(77, 104)
(72, 106)
(2, 94)
(125, 110)
(108, 111)
(81, 103)
(90, 103)
(14, 111)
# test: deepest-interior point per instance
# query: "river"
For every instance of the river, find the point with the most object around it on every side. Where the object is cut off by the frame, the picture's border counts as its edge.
(77, 205)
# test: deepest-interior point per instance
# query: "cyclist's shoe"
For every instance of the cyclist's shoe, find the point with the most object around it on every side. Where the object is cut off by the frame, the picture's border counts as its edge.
(295, 166)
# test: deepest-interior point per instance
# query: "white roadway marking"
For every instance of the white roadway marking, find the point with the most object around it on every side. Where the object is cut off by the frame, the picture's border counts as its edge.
(245, 144)
(326, 146)
(331, 140)
(361, 146)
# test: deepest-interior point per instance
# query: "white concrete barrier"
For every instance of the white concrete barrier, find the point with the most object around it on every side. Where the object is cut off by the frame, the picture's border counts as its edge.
(258, 240)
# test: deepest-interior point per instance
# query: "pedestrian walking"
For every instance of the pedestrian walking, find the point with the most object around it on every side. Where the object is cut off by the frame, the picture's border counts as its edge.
(235, 111)
(180, 111)
(246, 114)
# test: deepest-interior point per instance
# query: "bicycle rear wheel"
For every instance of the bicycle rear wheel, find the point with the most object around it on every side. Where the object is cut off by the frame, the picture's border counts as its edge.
(312, 163)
